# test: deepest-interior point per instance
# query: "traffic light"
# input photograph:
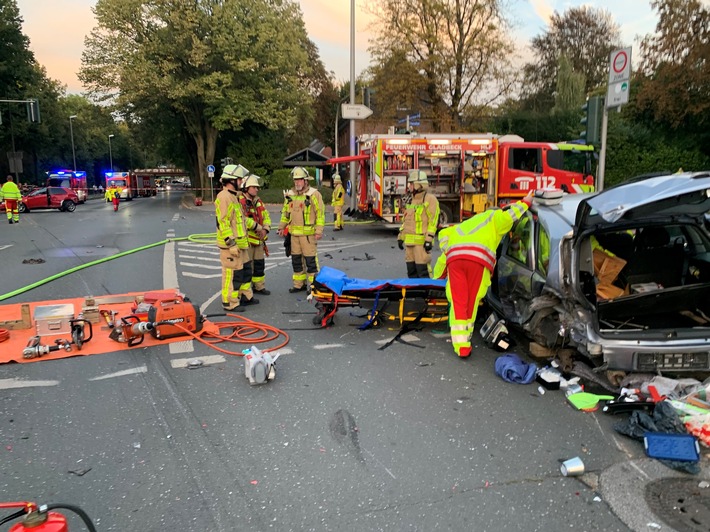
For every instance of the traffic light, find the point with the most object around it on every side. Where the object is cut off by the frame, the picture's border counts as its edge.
(33, 111)
(592, 120)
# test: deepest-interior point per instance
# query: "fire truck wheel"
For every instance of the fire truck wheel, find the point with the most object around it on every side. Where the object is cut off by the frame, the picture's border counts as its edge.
(446, 215)
(68, 206)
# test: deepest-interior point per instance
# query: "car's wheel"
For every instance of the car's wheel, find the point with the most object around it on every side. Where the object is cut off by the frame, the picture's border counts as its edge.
(69, 206)
(446, 215)
(22, 207)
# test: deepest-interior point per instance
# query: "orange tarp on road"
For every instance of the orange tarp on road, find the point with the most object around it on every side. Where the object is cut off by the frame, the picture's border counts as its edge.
(11, 349)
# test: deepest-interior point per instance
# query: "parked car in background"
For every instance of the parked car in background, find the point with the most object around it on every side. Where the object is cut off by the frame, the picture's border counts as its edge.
(60, 198)
(621, 276)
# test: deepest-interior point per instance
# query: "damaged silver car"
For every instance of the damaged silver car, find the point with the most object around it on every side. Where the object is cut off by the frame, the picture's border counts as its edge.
(621, 276)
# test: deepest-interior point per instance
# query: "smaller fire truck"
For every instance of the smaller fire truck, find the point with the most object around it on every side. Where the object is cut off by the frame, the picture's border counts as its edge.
(74, 180)
(131, 185)
(468, 173)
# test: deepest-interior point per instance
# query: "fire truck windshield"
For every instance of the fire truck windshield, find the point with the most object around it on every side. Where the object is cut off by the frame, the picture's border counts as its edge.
(118, 183)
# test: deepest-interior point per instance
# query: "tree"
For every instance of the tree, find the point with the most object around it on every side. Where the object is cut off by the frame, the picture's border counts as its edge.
(675, 71)
(586, 36)
(459, 48)
(211, 65)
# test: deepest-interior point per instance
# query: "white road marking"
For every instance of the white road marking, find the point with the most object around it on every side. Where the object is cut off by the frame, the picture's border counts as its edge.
(185, 346)
(208, 259)
(5, 246)
(131, 371)
(203, 275)
(6, 384)
(327, 346)
(201, 266)
(405, 337)
(206, 361)
(176, 217)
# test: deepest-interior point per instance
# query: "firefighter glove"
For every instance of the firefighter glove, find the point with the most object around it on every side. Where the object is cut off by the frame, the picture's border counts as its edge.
(400, 244)
(427, 247)
(234, 251)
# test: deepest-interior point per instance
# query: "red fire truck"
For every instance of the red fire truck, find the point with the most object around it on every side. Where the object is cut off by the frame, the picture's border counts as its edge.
(131, 185)
(74, 180)
(467, 172)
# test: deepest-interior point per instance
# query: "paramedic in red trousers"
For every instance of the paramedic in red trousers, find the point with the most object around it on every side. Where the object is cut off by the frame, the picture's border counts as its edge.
(303, 216)
(12, 196)
(232, 240)
(255, 209)
(338, 201)
(421, 218)
(467, 260)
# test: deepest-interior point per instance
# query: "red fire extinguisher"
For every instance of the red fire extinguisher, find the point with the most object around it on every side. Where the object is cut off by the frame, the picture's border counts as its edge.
(42, 518)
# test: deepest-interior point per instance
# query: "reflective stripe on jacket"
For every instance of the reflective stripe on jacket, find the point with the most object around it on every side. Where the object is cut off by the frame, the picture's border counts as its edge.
(230, 220)
(303, 213)
(421, 217)
(477, 238)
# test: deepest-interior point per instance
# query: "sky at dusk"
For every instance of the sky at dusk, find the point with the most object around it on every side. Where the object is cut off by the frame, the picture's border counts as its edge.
(56, 29)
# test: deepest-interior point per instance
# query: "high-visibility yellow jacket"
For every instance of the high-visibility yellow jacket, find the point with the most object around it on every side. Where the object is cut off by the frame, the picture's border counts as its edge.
(421, 217)
(10, 191)
(256, 210)
(303, 213)
(231, 222)
(338, 195)
(477, 238)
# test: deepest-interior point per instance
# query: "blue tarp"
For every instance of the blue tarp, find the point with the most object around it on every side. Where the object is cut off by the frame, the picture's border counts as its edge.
(339, 283)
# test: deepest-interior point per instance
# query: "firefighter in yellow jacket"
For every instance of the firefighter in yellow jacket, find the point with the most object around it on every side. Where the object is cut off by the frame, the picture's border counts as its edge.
(11, 194)
(467, 260)
(303, 217)
(421, 218)
(338, 202)
(233, 243)
(255, 209)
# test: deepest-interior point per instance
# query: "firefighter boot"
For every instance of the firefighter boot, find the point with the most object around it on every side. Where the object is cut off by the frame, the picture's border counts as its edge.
(244, 302)
(411, 270)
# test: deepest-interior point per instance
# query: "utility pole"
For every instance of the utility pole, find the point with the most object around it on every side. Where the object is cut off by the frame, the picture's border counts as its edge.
(353, 169)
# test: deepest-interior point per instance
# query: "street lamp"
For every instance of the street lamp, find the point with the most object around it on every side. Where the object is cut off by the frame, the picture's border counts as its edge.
(110, 155)
(71, 130)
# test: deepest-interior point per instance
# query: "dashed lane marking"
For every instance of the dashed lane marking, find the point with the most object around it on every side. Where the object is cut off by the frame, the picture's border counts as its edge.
(7, 384)
(131, 371)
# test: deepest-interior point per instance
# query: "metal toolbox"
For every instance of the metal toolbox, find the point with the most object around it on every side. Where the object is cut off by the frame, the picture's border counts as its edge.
(54, 319)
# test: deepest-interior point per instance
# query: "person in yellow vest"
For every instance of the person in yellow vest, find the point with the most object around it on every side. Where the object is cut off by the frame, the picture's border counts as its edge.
(11, 194)
(233, 243)
(467, 260)
(255, 209)
(421, 218)
(338, 202)
(303, 217)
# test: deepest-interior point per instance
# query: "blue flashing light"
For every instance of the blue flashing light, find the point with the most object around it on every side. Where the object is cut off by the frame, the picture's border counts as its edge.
(108, 174)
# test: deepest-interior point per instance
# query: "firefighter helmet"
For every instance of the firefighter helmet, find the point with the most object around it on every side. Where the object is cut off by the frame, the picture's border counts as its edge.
(336, 179)
(232, 172)
(251, 181)
(418, 176)
(300, 173)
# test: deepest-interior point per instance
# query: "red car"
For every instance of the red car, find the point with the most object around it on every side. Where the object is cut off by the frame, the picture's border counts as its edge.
(60, 198)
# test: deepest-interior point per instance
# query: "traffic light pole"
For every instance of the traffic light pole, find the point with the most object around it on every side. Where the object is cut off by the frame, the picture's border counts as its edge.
(602, 151)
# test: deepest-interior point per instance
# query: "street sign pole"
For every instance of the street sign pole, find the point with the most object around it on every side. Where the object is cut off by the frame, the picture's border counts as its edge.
(617, 94)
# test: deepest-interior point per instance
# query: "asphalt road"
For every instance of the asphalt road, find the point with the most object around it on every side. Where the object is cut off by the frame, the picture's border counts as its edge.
(348, 436)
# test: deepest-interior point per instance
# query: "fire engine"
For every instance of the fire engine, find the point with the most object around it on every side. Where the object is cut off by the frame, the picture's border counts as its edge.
(131, 185)
(467, 172)
(74, 180)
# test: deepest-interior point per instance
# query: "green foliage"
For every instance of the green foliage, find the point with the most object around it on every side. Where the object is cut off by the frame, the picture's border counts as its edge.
(444, 48)
(280, 180)
(212, 65)
(586, 35)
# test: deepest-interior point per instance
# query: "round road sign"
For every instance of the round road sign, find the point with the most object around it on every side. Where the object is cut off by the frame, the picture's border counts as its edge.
(620, 61)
